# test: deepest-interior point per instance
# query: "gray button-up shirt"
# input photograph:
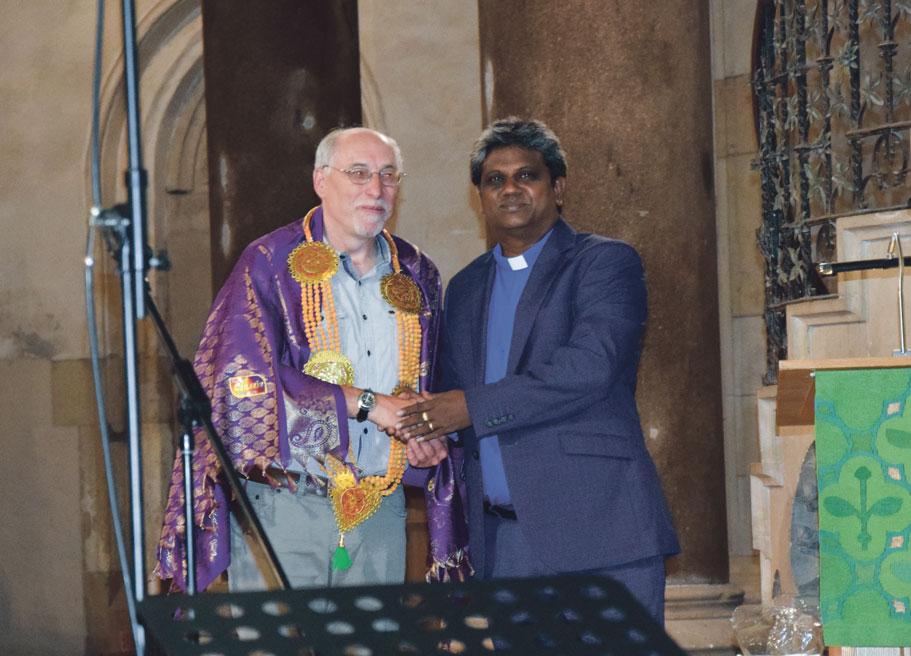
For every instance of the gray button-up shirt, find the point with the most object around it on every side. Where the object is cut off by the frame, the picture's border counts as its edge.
(367, 329)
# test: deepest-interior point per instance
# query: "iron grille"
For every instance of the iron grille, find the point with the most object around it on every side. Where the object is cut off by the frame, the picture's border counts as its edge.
(832, 83)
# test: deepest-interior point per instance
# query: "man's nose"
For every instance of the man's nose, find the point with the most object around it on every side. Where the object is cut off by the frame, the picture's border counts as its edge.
(374, 186)
(509, 186)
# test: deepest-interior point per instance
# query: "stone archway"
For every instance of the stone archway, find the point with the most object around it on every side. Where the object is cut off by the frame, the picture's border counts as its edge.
(173, 131)
(174, 154)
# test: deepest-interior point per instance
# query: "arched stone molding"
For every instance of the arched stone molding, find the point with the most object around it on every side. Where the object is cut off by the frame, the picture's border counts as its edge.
(170, 47)
(173, 121)
(173, 137)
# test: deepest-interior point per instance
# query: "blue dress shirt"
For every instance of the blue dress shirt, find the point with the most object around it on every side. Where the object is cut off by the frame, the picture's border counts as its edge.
(509, 282)
(368, 335)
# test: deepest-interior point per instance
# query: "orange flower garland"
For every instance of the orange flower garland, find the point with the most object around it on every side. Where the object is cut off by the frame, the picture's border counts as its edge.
(313, 265)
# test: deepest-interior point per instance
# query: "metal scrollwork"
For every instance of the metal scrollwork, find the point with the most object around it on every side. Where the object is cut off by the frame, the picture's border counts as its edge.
(832, 84)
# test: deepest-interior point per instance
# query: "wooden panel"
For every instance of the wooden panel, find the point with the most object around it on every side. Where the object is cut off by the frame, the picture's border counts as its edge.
(417, 535)
(797, 388)
(796, 391)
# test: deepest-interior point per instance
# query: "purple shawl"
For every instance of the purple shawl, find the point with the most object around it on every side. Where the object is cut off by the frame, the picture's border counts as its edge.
(255, 332)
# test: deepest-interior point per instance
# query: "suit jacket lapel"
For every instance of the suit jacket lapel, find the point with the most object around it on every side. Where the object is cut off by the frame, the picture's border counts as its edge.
(477, 305)
(542, 276)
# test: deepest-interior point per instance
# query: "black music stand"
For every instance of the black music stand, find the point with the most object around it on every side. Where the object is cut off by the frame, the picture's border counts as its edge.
(569, 615)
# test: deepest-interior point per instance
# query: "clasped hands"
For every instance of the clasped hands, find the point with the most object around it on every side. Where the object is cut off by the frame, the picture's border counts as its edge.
(422, 422)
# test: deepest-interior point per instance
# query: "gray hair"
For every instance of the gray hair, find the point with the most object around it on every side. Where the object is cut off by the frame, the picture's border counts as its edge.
(325, 151)
(513, 131)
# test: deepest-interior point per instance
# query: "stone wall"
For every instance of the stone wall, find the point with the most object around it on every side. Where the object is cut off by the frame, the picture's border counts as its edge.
(738, 213)
(60, 582)
(45, 84)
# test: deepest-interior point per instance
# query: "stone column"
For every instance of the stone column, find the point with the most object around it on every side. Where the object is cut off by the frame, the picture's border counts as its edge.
(279, 76)
(627, 88)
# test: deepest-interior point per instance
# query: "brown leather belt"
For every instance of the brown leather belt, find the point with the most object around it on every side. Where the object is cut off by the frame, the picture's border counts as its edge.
(288, 479)
(277, 475)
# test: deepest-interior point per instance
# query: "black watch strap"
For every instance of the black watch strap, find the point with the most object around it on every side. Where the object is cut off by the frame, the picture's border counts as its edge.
(366, 401)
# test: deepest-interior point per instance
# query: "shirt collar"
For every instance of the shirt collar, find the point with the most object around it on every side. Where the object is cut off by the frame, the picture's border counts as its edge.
(383, 260)
(524, 261)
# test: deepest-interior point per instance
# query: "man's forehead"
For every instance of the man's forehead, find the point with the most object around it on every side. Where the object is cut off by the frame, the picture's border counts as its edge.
(506, 157)
(364, 148)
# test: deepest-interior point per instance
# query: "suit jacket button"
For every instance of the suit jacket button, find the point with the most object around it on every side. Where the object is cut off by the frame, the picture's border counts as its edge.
(475, 454)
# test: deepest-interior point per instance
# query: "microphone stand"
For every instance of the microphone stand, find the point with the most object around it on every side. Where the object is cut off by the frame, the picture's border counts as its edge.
(132, 267)
(831, 268)
(896, 245)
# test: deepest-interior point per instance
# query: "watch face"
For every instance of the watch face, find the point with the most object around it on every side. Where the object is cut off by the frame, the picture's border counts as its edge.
(366, 400)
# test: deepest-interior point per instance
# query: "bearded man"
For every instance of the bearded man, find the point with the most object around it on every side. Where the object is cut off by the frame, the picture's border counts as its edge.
(324, 330)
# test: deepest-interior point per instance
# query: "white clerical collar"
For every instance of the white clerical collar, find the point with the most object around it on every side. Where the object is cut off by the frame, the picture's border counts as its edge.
(517, 263)
(524, 260)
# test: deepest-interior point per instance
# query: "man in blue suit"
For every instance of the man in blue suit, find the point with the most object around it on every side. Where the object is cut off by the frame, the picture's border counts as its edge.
(541, 342)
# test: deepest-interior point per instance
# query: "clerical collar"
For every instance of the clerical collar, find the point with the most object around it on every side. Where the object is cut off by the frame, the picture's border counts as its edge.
(523, 261)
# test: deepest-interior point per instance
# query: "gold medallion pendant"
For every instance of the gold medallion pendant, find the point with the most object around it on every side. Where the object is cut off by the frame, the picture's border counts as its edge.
(353, 500)
(313, 262)
(352, 503)
(401, 292)
(330, 366)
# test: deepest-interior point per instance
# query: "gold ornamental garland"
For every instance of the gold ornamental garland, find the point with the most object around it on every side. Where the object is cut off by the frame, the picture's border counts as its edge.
(313, 262)
(313, 265)
(353, 500)
(402, 292)
(331, 366)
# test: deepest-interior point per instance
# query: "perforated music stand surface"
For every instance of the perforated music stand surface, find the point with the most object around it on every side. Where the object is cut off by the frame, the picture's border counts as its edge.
(564, 615)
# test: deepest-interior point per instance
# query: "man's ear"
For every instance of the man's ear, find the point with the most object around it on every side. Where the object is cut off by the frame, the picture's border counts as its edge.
(559, 186)
(319, 180)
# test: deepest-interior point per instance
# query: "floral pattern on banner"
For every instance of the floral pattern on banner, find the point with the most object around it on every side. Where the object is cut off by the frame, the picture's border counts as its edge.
(863, 447)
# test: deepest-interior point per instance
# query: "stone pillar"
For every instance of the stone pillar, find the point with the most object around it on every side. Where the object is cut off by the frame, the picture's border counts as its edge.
(279, 76)
(627, 88)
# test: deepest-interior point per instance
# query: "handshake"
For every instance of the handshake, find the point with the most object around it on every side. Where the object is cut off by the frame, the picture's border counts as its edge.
(422, 422)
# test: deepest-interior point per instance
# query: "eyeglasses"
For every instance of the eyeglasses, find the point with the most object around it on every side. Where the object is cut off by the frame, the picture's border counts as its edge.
(361, 175)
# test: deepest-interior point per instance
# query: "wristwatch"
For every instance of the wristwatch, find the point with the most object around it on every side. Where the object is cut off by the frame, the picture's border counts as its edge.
(366, 401)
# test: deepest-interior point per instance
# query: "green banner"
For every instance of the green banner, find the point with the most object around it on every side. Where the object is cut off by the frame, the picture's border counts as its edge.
(863, 461)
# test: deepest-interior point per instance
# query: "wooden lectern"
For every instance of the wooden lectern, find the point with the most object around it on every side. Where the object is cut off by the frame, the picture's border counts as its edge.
(795, 416)
(797, 387)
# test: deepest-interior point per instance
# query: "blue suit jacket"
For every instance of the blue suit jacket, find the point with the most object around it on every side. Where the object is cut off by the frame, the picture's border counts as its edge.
(581, 481)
